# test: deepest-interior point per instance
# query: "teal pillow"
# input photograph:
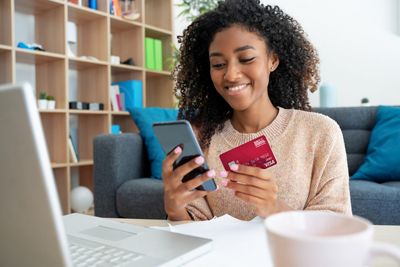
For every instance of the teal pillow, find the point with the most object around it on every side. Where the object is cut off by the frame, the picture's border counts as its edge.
(382, 162)
(144, 119)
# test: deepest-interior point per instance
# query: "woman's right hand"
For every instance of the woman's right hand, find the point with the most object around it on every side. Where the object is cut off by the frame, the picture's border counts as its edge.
(178, 194)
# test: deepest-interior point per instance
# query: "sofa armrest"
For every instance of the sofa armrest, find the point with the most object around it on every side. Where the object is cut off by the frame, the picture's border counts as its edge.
(117, 159)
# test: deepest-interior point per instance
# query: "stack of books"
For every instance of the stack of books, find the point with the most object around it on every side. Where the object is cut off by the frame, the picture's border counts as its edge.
(153, 53)
(126, 94)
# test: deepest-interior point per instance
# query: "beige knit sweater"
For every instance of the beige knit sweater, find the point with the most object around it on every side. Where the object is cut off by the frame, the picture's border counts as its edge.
(311, 170)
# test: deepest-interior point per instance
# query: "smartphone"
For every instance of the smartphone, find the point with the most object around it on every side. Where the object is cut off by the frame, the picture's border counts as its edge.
(180, 133)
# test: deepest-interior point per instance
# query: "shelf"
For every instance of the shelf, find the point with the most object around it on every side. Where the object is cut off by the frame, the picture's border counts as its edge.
(62, 181)
(6, 72)
(157, 32)
(158, 92)
(58, 165)
(158, 13)
(37, 6)
(156, 73)
(5, 48)
(127, 43)
(5, 23)
(36, 57)
(82, 78)
(82, 163)
(52, 111)
(81, 64)
(83, 14)
(121, 24)
(87, 112)
(55, 130)
(45, 27)
(92, 31)
(120, 113)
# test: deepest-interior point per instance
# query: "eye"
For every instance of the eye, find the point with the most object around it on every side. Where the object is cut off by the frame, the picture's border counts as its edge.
(247, 60)
(217, 66)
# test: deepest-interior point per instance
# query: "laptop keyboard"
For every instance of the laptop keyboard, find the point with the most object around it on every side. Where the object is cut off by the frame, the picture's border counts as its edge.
(89, 253)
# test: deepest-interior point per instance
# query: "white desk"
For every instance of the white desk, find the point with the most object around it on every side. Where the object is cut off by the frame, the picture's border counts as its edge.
(383, 233)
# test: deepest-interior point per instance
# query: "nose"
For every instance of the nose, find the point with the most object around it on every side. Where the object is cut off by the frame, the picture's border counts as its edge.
(232, 72)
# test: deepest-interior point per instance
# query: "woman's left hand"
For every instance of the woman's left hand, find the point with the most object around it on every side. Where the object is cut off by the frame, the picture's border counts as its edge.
(255, 186)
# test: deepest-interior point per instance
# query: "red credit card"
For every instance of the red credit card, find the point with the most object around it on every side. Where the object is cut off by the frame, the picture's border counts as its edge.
(256, 152)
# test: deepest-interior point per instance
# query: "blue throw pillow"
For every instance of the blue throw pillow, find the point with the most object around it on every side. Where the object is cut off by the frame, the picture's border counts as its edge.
(382, 162)
(144, 119)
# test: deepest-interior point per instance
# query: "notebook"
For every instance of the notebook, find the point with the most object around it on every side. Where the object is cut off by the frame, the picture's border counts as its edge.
(33, 231)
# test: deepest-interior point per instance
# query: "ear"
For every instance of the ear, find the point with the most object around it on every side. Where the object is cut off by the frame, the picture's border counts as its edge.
(273, 62)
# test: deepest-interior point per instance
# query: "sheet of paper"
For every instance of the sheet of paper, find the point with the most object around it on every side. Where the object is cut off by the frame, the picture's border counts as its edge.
(236, 242)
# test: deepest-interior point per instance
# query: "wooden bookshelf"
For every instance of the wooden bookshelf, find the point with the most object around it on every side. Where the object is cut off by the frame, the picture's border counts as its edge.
(85, 77)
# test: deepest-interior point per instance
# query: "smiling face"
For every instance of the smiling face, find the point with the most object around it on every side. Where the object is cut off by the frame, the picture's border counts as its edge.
(240, 65)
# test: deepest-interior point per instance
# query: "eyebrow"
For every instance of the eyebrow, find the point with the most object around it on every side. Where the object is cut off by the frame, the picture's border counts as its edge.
(239, 49)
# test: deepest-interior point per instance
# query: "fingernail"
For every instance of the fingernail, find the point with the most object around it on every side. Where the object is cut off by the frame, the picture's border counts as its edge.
(234, 167)
(223, 174)
(224, 182)
(177, 150)
(211, 173)
(199, 160)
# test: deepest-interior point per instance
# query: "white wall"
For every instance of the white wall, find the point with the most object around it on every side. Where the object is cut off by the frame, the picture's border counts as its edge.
(358, 42)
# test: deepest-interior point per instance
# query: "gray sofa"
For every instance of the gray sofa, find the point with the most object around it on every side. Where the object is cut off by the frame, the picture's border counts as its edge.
(122, 187)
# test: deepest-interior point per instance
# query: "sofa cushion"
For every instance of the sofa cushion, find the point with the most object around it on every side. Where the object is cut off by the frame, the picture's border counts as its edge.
(382, 162)
(376, 202)
(144, 119)
(141, 199)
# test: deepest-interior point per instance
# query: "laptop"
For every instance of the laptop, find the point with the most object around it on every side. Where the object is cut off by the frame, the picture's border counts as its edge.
(33, 231)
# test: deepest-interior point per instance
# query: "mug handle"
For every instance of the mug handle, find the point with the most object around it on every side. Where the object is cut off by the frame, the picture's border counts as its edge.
(379, 249)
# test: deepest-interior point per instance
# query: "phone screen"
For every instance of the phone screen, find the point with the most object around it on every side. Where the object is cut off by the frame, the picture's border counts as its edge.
(180, 133)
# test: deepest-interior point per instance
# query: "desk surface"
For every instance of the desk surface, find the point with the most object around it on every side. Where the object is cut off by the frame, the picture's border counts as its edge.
(382, 233)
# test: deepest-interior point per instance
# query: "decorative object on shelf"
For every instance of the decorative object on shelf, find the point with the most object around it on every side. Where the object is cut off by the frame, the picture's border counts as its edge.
(116, 60)
(153, 53)
(129, 61)
(131, 92)
(365, 101)
(51, 102)
(85, 105)
(128, 9)
(42, 101)
(71, 38)
(76, 2)
(115, 129)
(327, 95)
(81, 199)
(33, 46)
(92, 4)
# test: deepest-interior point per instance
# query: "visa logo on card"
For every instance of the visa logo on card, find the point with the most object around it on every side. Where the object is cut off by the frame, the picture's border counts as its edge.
(256, 152)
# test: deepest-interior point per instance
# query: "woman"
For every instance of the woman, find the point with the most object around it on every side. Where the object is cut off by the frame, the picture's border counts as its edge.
(244, 71)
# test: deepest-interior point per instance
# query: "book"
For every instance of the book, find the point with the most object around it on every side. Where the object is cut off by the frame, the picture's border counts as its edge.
(114, 89)
(133, 93)
(158, 57)
(72, 153)
(149, 53)
(73, 138)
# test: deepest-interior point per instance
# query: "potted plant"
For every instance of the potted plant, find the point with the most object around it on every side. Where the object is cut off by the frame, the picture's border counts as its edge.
(51, 102)
(42, 101)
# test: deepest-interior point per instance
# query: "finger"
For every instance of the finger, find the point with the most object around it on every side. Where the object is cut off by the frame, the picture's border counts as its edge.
(256, 201)
(193, 195)
(251, 171)
(253, 181)
(188, 167)
(171, 157)
(199, 180)
(250, 190)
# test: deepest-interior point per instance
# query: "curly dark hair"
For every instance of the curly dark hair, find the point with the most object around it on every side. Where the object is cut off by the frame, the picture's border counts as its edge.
(297, 72)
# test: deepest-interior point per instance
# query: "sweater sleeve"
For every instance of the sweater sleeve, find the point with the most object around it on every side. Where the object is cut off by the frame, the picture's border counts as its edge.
(199, 210)
(330, 182)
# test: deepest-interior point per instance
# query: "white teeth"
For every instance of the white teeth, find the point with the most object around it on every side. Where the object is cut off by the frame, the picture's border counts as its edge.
(237, 88)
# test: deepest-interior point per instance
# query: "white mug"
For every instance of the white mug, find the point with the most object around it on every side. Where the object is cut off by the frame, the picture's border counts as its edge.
(323, 239)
